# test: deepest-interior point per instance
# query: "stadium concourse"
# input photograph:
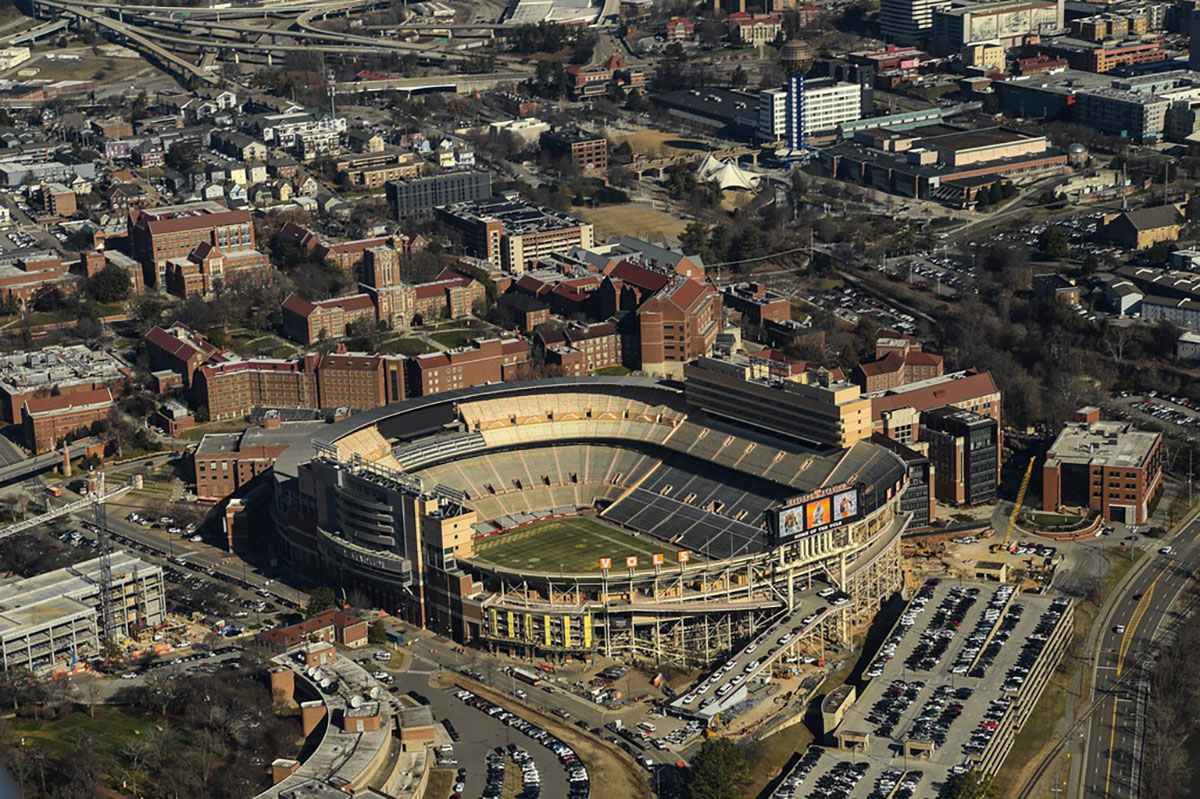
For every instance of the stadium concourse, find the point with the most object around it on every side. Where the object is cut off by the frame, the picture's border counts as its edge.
(673, 536)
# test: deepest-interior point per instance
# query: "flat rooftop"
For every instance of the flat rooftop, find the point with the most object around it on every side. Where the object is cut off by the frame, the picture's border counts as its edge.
(1117, 444)
(40, 599)
(22, 372)
(976, 139)
(916, 681)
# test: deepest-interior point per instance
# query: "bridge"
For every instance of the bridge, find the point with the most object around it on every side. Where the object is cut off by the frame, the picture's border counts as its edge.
(41, 31)
(120, 31)
(460, 84)
(31, 467)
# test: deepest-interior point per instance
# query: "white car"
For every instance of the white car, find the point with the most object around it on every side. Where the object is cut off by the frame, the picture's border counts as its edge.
(825, 593)
(1166, 551)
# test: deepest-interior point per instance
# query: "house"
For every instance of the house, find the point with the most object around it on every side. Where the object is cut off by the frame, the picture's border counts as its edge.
(1144, 227)
(364, 141)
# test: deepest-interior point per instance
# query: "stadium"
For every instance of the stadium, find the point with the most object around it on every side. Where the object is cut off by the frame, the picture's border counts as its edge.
(579, 516)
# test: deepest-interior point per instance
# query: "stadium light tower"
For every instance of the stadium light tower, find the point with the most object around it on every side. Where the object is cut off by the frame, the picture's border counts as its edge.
(796, 58)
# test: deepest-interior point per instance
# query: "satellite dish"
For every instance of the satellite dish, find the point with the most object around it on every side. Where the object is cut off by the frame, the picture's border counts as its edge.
(374, 692)
(356, 701)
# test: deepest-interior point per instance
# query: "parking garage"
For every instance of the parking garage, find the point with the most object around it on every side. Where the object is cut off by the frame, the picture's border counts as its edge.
(947, 692)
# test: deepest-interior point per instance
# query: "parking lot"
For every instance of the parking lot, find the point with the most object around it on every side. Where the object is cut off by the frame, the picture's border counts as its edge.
(941, 688)
(850, 305)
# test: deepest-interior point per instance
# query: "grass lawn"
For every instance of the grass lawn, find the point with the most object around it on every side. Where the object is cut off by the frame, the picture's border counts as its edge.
(574, 545)
(405, 346)
(453, 338)
(439, 785)
(776, 750)
(618, 371)
(111, 727)
(634, 219)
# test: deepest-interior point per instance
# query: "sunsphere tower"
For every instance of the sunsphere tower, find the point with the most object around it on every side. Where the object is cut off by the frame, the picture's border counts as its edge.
(796, 58)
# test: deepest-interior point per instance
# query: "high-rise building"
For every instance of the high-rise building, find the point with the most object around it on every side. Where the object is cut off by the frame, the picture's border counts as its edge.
(964, 451)
(1194, 41)
(908, 19)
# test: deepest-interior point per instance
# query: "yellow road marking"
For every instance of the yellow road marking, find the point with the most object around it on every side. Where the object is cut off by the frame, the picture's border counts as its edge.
(1126, 641)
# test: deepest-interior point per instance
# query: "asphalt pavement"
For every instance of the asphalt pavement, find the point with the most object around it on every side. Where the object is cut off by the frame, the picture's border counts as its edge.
(1117, 726)
(479, 734)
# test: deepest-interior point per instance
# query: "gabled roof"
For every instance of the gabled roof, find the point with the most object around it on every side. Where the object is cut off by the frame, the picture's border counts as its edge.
(639, 276)
(64, 402)
(298, 305)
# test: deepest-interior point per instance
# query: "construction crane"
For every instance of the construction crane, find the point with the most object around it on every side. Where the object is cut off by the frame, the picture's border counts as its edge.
(95, 501)
(1012, 520)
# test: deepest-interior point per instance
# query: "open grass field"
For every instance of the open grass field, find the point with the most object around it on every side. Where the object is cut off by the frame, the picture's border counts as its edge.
(574, 545)
(111, 727)
(632, 219)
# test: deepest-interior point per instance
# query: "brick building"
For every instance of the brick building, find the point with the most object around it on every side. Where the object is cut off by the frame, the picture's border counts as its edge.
(580, 349)
(757, 303)
(1108, 467)
(230, 389)
(47, 420)
(310, 322)
(56, 370)
(24, 276)
(358, 381)
(899, 360)
(583, 150)
(486, 361)
(94, 261)
(179, 349)
(671, 319)
(332, 626)
(159, 234)
(680, 29)
(224, 464)
(523, 311)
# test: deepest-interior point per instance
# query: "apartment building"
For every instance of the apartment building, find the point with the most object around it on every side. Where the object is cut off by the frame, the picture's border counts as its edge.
(419, 197)
(513, 234)
(159, 234)
(484, 361)
(582, 150)
(580, 349)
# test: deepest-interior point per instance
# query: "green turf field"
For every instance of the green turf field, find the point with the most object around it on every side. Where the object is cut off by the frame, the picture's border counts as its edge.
(572, 545)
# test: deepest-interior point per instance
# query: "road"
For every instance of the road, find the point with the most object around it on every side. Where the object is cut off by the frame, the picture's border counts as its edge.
(1116, 728)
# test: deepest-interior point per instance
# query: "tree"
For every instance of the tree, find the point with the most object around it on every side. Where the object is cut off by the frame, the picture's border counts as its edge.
(48, 299)
(1054, 242)
(719, 771)
(377, 632)
(110, 284)
(738, 78)
(319, 601)
(181, 157)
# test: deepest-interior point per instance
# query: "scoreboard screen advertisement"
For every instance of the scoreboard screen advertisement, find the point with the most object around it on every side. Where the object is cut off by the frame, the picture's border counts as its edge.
(816, 512)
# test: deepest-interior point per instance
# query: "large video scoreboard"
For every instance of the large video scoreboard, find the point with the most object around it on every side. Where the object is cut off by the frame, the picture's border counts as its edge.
(815, 512)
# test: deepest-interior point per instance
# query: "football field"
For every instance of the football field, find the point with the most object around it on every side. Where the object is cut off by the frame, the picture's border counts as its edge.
(570, 545)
